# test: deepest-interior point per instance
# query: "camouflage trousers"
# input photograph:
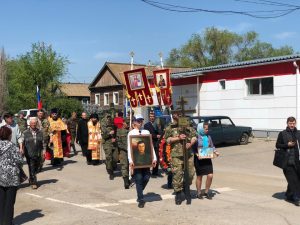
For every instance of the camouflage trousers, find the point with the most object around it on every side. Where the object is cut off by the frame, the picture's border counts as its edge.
(177, 164)
(111, 158)
(124, 163)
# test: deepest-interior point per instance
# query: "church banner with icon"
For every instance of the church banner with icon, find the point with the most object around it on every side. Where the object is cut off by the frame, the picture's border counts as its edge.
(138, 91)
(163, 86)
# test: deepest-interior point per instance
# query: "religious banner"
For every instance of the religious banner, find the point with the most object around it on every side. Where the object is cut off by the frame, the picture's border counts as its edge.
(138, 91)
(163, 87)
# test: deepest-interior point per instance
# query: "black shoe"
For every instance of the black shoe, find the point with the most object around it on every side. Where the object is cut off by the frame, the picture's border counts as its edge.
(126, 182)
(199, 196)
(208, 195)
(111, 176)
(141, 204)
(178, 199)
(89, 163)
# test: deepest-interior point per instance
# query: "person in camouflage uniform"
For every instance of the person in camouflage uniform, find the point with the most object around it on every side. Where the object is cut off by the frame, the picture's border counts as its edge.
(122, 147)
(109, 145)
(72, 126)
(174, 136)
(22, 122)
(43, 125)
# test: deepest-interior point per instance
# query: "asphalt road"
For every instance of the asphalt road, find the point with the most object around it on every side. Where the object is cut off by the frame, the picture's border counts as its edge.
(247, 189)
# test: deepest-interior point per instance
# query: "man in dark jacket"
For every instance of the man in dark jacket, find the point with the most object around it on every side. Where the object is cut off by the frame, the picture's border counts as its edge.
(288, 140)
(82, 133)
(33, 147)
(156, 133)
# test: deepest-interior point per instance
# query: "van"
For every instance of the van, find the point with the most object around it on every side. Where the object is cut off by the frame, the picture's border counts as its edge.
(29, 113)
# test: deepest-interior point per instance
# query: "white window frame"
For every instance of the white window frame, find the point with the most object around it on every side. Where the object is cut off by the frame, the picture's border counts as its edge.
(97, 102)
(260, 86)
(106, 101)
(222, 87)
(116, 99)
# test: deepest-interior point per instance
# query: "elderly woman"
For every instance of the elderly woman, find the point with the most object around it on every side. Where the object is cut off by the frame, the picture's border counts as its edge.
(33, 148)
(10, 164)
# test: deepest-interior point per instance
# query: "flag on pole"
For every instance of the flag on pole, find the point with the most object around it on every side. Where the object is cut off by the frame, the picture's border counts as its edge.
(38, 95)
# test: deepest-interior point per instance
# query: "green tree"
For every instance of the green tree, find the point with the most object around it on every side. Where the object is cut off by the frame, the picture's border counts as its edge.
(41, 66)
(66, 105)
(215, 47)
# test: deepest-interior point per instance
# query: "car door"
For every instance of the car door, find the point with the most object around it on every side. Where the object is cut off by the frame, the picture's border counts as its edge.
(230, 133)
(215, 131)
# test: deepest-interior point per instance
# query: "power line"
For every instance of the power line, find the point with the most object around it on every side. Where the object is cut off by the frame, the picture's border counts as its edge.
(262, 14)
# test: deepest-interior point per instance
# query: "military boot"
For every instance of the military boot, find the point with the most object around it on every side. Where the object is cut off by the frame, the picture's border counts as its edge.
(178, 199)
(111, 174)
(126, 182)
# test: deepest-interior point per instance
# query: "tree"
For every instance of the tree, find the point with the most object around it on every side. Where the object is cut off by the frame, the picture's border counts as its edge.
(41, 66)
(66, 105)
(215, 47)
(3, 81)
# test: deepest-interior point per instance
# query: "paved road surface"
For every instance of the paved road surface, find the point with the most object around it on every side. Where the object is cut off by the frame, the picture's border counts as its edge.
(248, 190)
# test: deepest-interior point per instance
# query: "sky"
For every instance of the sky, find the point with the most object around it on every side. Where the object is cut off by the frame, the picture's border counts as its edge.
(92, 32)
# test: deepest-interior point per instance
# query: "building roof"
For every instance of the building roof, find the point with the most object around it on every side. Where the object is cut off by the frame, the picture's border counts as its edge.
(75, 89)
(118, 69)
(257, 62)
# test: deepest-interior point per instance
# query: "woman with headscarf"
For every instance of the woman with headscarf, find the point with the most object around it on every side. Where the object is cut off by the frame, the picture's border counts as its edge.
(10, 164)
(204, 166)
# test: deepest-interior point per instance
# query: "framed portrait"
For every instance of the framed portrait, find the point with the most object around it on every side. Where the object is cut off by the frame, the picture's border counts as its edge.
(141, 150)
(161, 80)
(206, 153)
(136, 81)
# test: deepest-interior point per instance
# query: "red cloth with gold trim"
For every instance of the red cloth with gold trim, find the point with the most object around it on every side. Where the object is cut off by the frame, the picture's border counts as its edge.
(163, 87)
(138, 91)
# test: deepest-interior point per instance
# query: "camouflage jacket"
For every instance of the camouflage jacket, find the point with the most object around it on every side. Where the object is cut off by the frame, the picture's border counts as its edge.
(22, 123)
(44, 125)
(106, 129)
(174, 131)
(72, 124)
(122, 138)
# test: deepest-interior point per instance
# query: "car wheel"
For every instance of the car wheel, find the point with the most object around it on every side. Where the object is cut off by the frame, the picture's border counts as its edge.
(244, 139)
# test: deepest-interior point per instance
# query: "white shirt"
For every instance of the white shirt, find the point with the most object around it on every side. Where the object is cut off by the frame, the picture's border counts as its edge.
(137, 132)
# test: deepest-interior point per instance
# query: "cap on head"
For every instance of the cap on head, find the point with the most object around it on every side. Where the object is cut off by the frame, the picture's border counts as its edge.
(54, 110)
(94, 115)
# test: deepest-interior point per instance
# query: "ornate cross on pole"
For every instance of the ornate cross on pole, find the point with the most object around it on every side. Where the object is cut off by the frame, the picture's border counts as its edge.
(182, 102)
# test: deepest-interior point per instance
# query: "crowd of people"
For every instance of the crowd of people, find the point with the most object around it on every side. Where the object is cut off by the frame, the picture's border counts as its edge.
(52, 138)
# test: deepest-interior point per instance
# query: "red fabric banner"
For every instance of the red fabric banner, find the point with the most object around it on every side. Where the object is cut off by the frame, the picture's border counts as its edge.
(138, 91)
(163, 86)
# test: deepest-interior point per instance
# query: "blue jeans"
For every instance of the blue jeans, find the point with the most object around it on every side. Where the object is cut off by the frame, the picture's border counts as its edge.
(141, 177)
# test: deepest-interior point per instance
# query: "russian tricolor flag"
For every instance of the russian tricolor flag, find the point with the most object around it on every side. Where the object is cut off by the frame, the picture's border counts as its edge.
(38, 95)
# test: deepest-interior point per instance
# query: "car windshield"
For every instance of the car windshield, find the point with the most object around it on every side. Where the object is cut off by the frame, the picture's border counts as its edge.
(33, 113)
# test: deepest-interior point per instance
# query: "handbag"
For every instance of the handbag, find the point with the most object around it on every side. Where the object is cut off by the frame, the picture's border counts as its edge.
(23, 176)
(281, 157)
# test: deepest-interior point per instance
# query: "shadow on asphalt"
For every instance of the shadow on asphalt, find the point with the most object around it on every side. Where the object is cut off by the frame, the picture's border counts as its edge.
(39, 183)
(28, 216)
(279, 195)
(152, 197)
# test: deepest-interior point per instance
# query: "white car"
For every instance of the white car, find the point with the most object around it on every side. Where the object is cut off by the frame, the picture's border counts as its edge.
(29, 113)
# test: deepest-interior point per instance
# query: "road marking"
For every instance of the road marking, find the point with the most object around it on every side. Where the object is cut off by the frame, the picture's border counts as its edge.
(224, 189)
(91, 206)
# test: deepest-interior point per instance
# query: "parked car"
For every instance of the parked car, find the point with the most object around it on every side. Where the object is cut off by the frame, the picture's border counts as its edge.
(223, 130)
(29, 113)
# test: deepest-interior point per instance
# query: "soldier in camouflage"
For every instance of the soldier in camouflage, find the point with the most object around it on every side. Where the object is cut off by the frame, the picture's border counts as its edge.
(72, 126)
(22, 122)
(109, 145)
(43, 125)
(174, 136)
(122, 146)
